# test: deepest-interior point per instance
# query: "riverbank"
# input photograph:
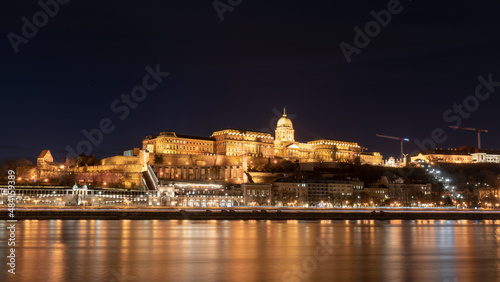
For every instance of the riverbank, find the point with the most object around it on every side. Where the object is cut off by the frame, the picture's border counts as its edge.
(249, 214)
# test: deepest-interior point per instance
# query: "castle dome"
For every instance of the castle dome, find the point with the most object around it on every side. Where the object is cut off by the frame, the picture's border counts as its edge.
(284, 121)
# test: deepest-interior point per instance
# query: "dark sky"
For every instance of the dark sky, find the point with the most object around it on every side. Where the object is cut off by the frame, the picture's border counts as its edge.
(232, 73)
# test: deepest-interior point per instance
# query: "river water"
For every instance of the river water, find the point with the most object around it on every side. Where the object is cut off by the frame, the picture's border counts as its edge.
(183, 250)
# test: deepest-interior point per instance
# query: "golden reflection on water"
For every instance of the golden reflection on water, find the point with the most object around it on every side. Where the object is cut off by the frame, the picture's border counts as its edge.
(256, 250)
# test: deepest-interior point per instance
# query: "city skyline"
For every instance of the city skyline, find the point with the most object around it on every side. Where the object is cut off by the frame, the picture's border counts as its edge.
(233, 73)
(91, 137)
(237, 140)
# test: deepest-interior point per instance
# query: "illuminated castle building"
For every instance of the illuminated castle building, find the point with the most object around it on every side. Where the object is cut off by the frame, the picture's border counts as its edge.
(255, 144)
(236, 142)
(323, 150)
(230, 155)
(172, 143)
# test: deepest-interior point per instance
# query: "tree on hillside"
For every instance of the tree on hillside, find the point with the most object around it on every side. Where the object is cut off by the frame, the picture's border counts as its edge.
(84, 160)
(20, 166)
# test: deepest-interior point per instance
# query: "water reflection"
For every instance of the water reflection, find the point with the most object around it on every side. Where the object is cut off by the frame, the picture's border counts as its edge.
(181, 250)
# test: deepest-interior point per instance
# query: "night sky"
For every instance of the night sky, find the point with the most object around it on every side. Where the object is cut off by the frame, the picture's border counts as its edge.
(232, 73)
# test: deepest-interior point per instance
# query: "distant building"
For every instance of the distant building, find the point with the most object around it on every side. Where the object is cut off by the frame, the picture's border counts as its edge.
(461, 155)
(132, 153)
(484, 156)
(465, 154)
(371, 158)
(392, 162)
(44, 158)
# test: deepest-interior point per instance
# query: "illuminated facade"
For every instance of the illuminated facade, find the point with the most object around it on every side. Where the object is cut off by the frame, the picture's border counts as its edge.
(176, 144)
(285, 145)
(323, 150)
(464, 154)
(80, 196)
(371, 158)
(257, 194)
(236, 142)
(247, 143)
(335, 150)
(492, 157)
(191, 194)
(460, 155)
(442, 158)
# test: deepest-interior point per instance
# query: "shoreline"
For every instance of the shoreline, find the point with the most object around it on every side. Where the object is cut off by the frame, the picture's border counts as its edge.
(247, 214)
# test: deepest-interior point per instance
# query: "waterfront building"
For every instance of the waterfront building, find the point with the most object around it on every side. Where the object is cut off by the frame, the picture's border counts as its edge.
(488, 196)
(383, 192)
(203, 195)
(79, 195)
(404, 191)
(256, 194)
(313, 192)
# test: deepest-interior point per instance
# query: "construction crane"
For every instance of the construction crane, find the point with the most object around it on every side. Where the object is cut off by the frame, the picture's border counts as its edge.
(473, 129)
(401, 139)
